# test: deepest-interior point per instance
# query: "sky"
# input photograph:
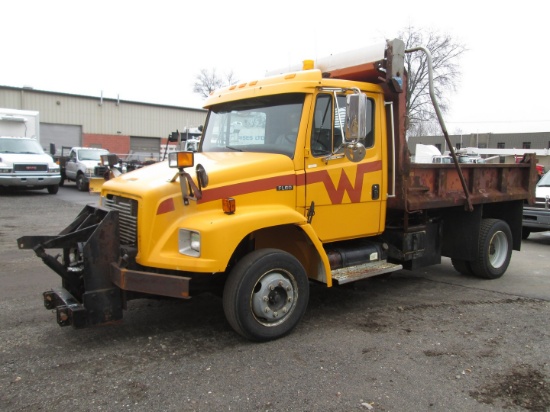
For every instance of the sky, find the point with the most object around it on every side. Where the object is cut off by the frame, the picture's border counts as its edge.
(152, 51)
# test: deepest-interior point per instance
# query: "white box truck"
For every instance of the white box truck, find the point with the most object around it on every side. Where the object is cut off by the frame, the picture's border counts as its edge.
(23, 162)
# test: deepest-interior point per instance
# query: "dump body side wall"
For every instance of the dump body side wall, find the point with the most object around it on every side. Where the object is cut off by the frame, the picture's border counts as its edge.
(429, 186)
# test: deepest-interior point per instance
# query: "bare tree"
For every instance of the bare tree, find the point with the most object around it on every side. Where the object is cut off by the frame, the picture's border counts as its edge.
(208, 81)
(445, 55)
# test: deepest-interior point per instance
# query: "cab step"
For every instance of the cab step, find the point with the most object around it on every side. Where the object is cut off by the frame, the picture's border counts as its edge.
(363, 271)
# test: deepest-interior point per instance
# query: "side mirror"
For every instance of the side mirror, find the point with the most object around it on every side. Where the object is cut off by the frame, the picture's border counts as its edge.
(356, 126)
(173, 137)
(52, 149)
(356, 117)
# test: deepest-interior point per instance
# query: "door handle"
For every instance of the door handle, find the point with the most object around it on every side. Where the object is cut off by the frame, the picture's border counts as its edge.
(375, 192)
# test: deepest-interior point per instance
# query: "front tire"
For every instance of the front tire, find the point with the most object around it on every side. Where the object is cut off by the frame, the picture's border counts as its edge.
(266, 295)
(494, 249)
(80, 184)
(53, 189)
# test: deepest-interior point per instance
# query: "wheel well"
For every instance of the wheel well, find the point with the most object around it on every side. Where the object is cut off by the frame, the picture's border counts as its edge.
(289, 238)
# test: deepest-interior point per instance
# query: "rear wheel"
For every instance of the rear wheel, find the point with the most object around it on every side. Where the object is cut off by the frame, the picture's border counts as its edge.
(266, 294)
(494, 249)
(462, 266)
(63, 178)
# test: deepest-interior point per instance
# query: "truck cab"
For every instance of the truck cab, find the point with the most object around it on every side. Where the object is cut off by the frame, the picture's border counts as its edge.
(82, 165)
(24, 165)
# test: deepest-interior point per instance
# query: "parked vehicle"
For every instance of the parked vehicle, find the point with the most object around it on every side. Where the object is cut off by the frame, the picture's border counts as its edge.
(300, 177)
(536, 217)
(82, 165)
(23, 163)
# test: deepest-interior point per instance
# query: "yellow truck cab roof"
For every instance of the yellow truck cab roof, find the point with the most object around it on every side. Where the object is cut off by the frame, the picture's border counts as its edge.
(300, 81)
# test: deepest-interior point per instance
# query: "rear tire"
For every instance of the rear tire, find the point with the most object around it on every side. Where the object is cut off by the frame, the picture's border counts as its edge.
(266, 294)
(494, 249)
(463, 267)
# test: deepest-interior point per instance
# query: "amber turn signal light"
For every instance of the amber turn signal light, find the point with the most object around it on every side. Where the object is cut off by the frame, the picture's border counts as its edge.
(181, 159)
(229, 205)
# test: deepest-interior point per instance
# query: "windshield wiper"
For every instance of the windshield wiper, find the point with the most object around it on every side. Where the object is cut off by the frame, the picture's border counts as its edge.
(234, 148)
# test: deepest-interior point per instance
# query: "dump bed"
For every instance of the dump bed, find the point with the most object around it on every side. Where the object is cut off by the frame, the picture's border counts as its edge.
(429, 186)
(415, 186)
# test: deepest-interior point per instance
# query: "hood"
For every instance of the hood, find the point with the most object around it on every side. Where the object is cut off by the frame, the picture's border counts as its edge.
(9, 159)
(90, 164)
(542, 192)
(229, 174)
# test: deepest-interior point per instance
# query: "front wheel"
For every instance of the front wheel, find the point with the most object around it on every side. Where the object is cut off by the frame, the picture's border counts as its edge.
(494, 249)
(80, 184)
(53, 189)
(266, 294)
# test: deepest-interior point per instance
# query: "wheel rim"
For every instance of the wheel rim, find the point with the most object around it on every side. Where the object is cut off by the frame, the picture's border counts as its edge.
(498, 249)
(274, 297)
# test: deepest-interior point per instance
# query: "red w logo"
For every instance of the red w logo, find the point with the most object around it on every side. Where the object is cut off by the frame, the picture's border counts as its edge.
(336, 193)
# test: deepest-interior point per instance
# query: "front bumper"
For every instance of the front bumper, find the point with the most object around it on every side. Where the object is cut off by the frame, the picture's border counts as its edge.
(536, 218)
(41, 180)
(96, 273)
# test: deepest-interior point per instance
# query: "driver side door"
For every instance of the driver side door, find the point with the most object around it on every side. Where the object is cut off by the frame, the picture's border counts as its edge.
(346, 196)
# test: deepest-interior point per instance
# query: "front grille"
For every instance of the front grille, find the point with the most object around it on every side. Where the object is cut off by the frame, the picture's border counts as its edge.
(22, 167)
(100, 171)
(127, 217)
(542, 202)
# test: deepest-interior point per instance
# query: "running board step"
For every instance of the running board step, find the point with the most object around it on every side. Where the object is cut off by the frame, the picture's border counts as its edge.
(367, 270)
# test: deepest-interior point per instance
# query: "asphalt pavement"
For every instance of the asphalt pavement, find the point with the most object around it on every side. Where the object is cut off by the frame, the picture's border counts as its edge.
(427, 340)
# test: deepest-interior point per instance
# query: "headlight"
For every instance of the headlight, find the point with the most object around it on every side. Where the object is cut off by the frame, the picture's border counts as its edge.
(189, 243)
(5, 170)
(89, 172)
(53, 169)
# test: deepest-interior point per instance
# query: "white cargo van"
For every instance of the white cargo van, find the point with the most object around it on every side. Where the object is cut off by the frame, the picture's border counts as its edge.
(23, 162)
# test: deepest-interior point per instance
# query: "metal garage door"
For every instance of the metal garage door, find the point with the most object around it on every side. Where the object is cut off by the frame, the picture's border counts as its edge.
(145, 146)
(60, 135)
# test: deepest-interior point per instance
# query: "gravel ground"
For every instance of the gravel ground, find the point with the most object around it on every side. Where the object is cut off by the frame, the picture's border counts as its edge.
(401, 343)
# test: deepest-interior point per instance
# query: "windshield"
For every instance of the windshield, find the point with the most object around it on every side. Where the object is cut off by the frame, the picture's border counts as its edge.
(86, 154)
(264, 124)
(20, 146)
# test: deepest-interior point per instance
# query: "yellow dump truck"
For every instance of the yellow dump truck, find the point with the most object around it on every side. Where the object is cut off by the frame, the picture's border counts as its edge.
(299, 177)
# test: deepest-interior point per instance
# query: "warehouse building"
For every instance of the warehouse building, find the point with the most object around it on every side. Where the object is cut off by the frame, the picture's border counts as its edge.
(121, 126)
(125, 127)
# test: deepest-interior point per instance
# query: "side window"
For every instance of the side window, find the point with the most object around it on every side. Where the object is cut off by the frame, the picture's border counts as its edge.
(321, 138)
(369, 138)
(328, 124)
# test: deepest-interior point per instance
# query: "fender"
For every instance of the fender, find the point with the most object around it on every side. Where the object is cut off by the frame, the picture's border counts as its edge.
(221, 234)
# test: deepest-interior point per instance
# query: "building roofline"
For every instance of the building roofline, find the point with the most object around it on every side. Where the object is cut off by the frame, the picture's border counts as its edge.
(33, 90)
